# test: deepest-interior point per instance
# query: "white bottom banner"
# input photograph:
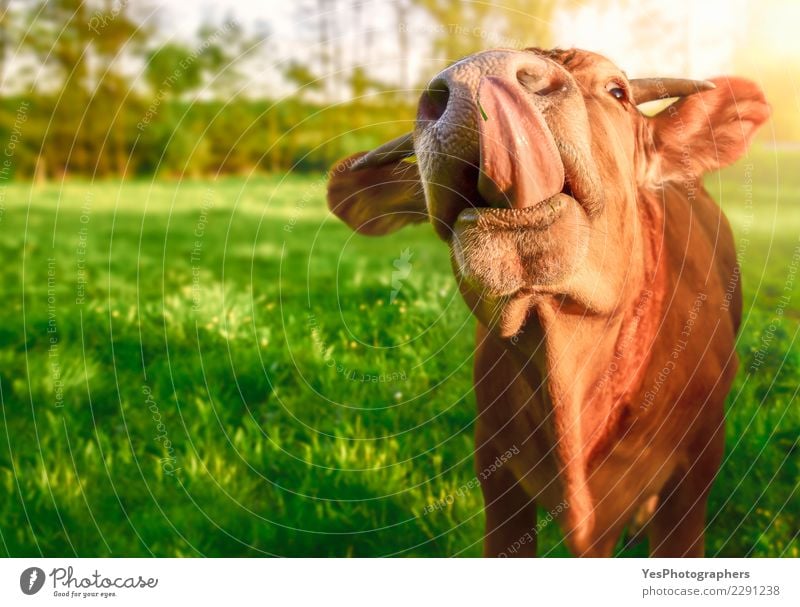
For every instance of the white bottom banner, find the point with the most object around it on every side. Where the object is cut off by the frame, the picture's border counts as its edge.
(400, 582)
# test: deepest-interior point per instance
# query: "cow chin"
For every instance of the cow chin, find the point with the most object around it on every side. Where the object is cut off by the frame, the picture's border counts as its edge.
(503, 252)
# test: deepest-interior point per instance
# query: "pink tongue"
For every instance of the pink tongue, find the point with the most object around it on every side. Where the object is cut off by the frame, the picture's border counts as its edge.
(520, 164)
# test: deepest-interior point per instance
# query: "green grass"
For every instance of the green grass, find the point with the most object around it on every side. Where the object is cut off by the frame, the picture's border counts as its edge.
(253, 353)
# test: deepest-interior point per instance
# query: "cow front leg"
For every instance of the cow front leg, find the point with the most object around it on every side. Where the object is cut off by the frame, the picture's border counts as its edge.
(510, 512)
(677, 528)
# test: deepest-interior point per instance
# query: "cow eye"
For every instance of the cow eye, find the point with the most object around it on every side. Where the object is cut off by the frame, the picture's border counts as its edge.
(617, 91)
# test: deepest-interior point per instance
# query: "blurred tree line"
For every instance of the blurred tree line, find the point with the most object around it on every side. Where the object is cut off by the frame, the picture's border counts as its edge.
(92, 87)
(101, 88)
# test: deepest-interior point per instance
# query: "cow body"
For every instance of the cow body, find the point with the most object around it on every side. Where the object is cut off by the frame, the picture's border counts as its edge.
(602, 275)
(649, 431)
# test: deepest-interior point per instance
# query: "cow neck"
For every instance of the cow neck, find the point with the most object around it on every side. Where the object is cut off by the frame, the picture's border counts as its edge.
(594, 365)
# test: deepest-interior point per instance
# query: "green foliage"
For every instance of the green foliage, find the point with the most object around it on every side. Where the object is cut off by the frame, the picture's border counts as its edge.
(196, 138)
(165, 61)
(256, 350)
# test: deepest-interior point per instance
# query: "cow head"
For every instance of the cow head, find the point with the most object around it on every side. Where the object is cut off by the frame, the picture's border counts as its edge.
(531, 165)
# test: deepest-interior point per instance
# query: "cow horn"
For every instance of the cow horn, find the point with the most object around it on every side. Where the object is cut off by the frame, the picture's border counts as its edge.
(649, 89)
(392, 151)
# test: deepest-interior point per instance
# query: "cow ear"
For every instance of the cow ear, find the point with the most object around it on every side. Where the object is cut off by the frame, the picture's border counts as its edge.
(376, 200)
(705, 131)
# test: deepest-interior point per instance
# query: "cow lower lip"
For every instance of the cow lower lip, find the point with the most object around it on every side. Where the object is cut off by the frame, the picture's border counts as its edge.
(501, 252)
(538, 217)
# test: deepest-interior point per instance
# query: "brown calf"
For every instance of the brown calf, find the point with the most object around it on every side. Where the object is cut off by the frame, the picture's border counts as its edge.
(603, 277)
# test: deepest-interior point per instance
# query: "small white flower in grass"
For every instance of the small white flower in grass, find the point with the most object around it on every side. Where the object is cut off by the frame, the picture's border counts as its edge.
(398, 396)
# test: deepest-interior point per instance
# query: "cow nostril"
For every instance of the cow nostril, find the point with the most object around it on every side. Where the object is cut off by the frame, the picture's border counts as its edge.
(539, 83)
(528, 78)
(434, 100)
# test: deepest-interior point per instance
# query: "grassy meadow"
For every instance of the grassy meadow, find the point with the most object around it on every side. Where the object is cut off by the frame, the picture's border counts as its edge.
(220, 368)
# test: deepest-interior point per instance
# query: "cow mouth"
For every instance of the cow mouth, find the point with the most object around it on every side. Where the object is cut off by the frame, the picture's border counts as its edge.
(538, 216)
(490, 202)
(459, 202)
